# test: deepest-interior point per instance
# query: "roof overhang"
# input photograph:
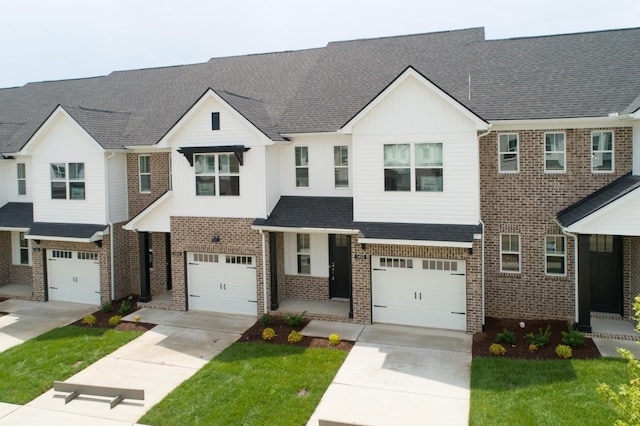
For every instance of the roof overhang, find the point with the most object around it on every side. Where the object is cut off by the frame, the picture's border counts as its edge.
(420, 243)
(563, 123)
(68, 232)
(304, 230)
(136, 224)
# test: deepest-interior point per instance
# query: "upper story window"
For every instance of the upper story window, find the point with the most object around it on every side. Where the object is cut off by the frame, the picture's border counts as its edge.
(556, 256)
(602, 152)
(508, 153)
(510, 253)
(341, 166)
(217, 174)
(302, 167)
(303, 250)
(427, 169)
(554, 152)
(215, 121)
(22, 178)
(67, 181)
(144, 173)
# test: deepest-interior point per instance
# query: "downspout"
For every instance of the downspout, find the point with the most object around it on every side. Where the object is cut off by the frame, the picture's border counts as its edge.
(264, 270)
(575, 270)
(111, 227)
(483, 228)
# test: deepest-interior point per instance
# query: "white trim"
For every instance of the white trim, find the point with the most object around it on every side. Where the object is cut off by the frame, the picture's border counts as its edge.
(519, 253)
(132, 224)
(544, 150)
(98, 236)
(420, 243)
(613, 152)
(140, 174)
(564, 255)
(561, 123)
(10, 229)
(517, 153)
(304, 230)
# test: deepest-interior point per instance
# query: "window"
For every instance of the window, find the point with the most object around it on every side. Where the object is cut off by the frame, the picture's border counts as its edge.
(556, 256)
(602, 152)
(302, 167)
(397, 167)
(341, 166)
(24, 250)
(510, 253)
(144, 171)
(554, 153)
(22, 179)
(508, 152)
(429, 167)
(215, 121)
(303, 249)
(67, 185)
(217, 174)
(601, 243)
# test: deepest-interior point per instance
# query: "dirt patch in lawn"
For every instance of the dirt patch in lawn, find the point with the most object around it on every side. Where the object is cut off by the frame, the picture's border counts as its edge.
(102, 317)
(254, 334)
(482, 341)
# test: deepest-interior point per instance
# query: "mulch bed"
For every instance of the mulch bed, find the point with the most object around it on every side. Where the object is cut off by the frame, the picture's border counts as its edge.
(254, 334)
(102, 318)
(482, 341)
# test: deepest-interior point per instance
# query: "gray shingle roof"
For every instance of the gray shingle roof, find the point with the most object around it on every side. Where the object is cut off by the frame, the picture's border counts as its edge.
(572, 75)
(599, 199)
(337, 213)
(65, 230)
(16, 215)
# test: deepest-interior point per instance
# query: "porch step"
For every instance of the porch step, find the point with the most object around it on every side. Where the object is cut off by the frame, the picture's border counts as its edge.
(615, 336)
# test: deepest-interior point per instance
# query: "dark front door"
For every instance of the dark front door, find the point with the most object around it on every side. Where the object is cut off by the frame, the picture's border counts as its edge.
(605, 256)
(167, 258)
(340, 266)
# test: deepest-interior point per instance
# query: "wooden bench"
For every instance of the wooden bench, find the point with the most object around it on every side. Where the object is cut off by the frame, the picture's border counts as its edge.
(118, 394)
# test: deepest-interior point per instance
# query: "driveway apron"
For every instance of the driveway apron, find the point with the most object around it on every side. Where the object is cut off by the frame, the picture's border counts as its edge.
(401, 375)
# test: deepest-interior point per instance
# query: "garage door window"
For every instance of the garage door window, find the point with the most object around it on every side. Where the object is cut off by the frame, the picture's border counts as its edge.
(304, 253)
(395, 262)
(510, 253)
(205, 257)
(239, 260)
(440, 265)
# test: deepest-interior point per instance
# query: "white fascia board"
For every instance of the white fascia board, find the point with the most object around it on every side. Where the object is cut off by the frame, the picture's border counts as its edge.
(480, 124)
(95, 237)
(297, 135)
(303, 230)
(576, 227)
(132, 225)
(560, 123)
(421, 243)
(145, 148)
(10, 229)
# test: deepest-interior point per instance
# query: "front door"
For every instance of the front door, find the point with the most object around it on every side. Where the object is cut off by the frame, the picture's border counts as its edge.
(340, 266)
(606, 273)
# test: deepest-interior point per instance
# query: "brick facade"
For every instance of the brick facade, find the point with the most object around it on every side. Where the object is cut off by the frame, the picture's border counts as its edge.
(159, 163)
(526, 203)
(631, 274)
(305, 287)
(5, 257)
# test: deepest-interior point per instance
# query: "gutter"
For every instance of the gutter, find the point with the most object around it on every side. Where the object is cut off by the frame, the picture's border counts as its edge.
(482, 301)
(575, 269)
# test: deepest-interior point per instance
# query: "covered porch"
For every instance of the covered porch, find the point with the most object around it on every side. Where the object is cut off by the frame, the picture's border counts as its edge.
(16, 280)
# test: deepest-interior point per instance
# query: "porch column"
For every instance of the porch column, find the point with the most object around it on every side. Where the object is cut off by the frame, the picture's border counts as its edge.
(584, 284)
(273, 264)
(145, 281)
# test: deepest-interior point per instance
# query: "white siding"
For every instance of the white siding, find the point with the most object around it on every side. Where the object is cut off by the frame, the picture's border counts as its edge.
(117, 175)
(273, 176)
(11, 180)
(321, 166)
(5, 167)
(413, 113)
(319, 252)
(63, 142)
(159, 219)
(636, 149)
(234, 130)
(620, 218)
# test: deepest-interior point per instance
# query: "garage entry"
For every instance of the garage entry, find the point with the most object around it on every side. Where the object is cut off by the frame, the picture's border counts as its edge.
(222, 283)
(73, 276)
(419, 292)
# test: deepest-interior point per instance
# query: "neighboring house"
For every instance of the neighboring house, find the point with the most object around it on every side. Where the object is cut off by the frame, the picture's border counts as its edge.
(427, 180)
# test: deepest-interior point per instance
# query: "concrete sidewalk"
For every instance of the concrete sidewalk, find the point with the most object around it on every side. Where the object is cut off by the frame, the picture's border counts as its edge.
(397, 375)
(158, 361)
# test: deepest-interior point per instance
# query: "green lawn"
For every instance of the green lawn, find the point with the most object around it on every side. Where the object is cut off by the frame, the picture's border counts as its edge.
(251, 384)
(29, 369)
(510, 391)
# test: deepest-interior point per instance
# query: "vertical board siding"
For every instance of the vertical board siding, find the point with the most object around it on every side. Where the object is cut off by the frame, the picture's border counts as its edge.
(117, 175)
(5, 166)
(413, 113)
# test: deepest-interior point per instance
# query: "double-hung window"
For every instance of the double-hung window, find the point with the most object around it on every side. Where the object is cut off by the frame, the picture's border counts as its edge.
(144, 171)
(303, 250)
(24, 249)
(217, 174)
(555, 255)
(508, 153)
(22, 179)
(341, 166)
(602, 152)
(67, 181)
(422, 171)
(510, 253)
(302, 166)
(554, 152)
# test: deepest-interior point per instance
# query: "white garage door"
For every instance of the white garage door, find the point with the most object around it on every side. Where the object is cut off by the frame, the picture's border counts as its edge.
(419, 292)
(222, 283)
(73, 276)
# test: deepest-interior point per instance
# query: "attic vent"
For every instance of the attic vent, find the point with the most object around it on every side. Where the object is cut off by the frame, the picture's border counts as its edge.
(215, 121)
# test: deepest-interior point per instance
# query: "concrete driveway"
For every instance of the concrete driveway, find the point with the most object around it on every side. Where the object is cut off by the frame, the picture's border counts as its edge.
(157, 362)
(397, 375)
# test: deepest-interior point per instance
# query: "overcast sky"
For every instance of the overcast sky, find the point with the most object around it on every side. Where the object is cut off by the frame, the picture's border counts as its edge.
(50, 40)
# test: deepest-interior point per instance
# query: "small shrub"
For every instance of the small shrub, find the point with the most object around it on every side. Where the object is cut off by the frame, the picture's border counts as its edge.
(573, 338)
(532, 348)
(137, 319)
(507, 336)
(106, 307)
(294, 336)
(125, 306)
(115, 320)
(497, 349)
(564, 351)
(294, 320)
(266, 320)
(540, 338)
(89, 320)
(334, 339)
(268, 334)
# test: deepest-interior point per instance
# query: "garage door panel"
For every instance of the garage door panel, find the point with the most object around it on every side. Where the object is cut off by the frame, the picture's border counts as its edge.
(73, 276)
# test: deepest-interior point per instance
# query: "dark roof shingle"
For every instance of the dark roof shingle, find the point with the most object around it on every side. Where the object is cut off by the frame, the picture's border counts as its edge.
(16, 215)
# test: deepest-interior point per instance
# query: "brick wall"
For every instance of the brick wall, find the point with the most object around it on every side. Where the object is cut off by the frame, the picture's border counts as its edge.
(21, 274)
(194, 234)
(631, 273)
(305, 287)
(158, 274)
(123, 270)
(526, 203)
(5, 257)
(159, 163)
